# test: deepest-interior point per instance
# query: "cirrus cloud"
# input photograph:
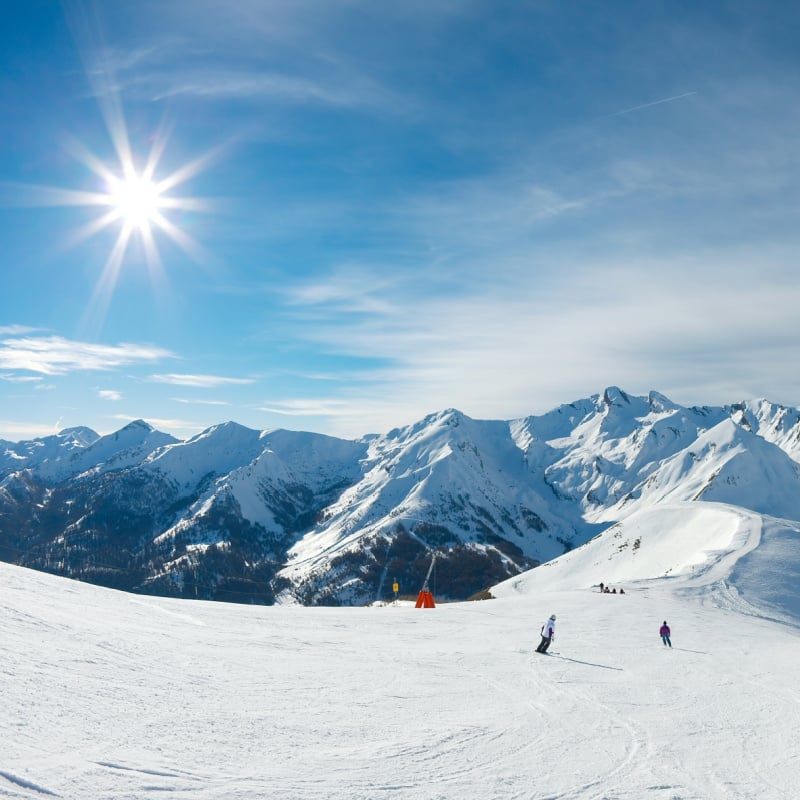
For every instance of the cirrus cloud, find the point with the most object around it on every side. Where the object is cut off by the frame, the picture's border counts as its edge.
(199, 381)
(55, 355)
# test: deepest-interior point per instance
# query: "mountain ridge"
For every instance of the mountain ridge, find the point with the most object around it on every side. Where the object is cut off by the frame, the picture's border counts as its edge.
(296, 517)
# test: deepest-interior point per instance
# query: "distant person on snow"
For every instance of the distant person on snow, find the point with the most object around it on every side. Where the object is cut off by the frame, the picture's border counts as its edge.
(664, 633)
(601, 587)
(548, 634)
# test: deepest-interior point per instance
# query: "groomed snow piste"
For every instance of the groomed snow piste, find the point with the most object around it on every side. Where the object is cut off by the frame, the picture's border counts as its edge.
(108, 695)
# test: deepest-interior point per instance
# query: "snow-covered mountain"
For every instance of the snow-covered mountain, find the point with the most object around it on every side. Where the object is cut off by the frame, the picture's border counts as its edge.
(15, 455)
(294, 517)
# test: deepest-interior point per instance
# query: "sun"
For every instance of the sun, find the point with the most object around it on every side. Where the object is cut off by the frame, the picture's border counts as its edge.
(129, 191)
(139, 204)
(136, 200)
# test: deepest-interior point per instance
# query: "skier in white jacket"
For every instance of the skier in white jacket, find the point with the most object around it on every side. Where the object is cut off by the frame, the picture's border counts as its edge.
(548, 634)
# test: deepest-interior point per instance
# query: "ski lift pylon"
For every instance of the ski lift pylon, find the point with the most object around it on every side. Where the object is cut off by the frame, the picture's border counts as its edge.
(425, 597)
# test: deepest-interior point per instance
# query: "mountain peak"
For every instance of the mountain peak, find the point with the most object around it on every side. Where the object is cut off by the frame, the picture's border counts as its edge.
(659, 403)
(450, 416)
(229, 428)
(614, 396)
(79, 435)
(138, 424)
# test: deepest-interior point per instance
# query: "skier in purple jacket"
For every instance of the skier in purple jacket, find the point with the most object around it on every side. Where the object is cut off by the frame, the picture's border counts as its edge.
(664, 633)
(548, 634)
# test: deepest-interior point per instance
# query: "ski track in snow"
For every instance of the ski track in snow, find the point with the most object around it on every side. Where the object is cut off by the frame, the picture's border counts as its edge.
(25, 784)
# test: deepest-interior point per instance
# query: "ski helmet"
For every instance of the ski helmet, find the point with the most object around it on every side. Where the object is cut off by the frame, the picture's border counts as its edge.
(553, 617)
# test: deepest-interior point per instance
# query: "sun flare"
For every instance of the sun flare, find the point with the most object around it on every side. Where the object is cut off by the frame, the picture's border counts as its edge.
(136, 200)
(138, 203)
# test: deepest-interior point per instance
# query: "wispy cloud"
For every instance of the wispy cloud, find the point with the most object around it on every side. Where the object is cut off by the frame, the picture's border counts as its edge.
(17, 330)
(653, 103)
(518, 347)
(502, 208)
(199, 381)
(21, 378)
(231, 84)
(307, 76)
(351, 287)
(190, 402)
(109, 394)
(27, 430)
(306, 407)
(55, 355)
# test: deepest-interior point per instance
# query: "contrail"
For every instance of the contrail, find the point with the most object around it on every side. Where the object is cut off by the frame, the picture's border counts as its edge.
(654, 103)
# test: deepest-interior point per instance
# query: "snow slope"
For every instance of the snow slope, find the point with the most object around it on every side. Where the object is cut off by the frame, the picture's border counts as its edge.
(108, 695)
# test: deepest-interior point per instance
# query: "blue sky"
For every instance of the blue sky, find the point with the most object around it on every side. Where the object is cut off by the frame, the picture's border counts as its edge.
(357, 213)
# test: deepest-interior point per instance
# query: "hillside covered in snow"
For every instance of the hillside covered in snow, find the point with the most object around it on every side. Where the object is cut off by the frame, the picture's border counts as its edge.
(293, 517)
(109, 695)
